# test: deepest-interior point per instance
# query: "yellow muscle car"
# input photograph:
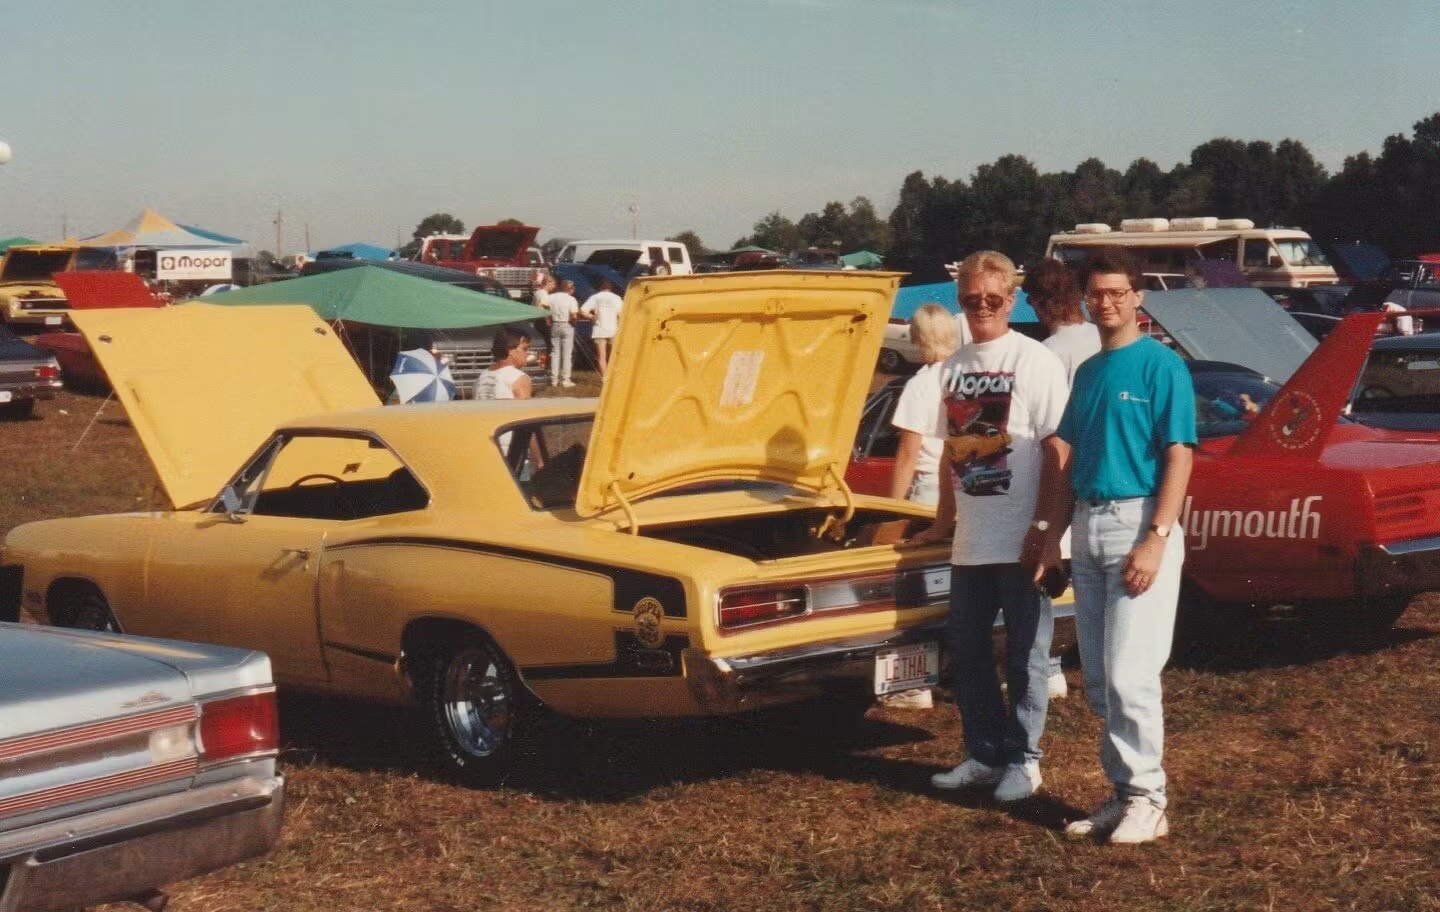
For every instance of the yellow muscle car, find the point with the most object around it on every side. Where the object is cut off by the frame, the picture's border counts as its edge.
(685, 545)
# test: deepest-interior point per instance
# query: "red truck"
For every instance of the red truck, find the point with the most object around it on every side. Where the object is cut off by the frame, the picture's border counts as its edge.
(506, 253)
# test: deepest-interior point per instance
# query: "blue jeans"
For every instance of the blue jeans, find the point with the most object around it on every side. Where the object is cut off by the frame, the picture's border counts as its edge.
(1124, 641)
(993, 735)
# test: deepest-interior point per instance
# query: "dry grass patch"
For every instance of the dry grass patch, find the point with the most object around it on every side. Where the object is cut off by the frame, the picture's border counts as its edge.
(1304, 776)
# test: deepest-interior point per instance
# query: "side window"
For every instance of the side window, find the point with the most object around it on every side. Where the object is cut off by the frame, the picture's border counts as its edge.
(877, 438)
(655, 254)
(567, 255)
(1429, 277)
(1219, 250)
(1257, 252)
(328, 476)
(546, 460)
(677, 254)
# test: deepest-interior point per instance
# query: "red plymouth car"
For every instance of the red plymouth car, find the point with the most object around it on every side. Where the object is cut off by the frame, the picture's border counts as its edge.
(1290, 503)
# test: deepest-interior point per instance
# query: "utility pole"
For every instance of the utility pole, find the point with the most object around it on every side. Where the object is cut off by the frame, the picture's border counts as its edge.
(279, 232)
(634, 218)
(64, 226)
(307, 237)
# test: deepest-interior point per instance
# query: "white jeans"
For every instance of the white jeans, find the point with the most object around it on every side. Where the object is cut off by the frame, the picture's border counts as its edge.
(562, 351)
(1125, 641)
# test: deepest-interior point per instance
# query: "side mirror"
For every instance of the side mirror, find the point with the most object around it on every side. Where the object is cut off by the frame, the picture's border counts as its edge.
(231, 502)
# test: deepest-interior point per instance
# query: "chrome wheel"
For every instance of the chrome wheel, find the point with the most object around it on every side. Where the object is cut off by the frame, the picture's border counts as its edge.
(476, 701)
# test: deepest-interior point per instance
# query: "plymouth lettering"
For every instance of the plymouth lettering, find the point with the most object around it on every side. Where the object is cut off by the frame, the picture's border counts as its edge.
(1299, 521)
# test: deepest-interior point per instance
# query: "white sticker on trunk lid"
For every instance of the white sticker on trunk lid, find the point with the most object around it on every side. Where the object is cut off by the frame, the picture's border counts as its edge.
(741, 378)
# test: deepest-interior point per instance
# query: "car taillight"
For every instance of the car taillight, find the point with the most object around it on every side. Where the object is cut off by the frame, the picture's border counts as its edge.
(238, 727)
(47, 372)
(759, 606)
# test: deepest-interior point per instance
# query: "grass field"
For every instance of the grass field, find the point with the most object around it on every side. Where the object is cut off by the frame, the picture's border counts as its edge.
(1303, 776)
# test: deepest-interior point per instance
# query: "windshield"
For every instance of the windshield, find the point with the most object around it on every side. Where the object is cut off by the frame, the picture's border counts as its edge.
(1399, 382)
(1226, 401)
(35, 265)
(1301, 252)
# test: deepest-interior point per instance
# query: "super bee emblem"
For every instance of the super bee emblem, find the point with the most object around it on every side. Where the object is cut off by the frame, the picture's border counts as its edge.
(647, 613)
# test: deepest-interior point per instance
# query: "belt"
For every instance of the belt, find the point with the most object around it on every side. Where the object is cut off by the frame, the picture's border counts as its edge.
(1101, 502)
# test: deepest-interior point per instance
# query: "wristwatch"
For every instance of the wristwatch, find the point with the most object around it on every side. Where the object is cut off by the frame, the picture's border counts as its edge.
(1162, 531)
(1040, 525)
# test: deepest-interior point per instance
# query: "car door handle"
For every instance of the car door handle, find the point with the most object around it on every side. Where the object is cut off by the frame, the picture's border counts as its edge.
(302, 553)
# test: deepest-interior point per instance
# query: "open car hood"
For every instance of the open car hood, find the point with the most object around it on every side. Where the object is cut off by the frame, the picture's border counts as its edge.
(503, 242)
(1241, 325)
(751, 376)
(205, 385)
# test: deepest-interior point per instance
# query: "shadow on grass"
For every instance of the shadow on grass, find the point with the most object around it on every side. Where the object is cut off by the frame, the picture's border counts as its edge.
(563, 759)
(1284, 642)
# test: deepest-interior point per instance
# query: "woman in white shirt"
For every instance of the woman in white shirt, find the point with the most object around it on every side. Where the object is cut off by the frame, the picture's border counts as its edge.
(917, 460)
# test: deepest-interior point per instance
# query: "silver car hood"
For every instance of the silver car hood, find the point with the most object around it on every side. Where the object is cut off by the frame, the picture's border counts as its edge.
(1241, 325)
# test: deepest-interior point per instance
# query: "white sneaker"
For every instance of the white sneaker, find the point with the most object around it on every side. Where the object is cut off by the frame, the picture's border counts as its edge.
(1021, 780)
(919, 698)
(1142, 822)
(970, 773)
(1102, 822)
(567, 383)
(1058, 687)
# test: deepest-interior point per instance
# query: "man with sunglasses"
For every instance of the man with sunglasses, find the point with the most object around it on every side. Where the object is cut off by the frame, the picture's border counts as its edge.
(1003, 394)
(1127, 439)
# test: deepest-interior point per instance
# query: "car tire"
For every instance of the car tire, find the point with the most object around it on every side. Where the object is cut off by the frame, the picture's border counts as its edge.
(82, 608)
(471, 697)
(891, 361)
(19, 410)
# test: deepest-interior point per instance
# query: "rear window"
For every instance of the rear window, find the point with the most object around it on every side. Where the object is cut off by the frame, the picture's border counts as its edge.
(1397, 382)
(1226, 402)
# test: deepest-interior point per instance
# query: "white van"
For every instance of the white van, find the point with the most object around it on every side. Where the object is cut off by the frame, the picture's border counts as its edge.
(1267, 256)
(674, 255)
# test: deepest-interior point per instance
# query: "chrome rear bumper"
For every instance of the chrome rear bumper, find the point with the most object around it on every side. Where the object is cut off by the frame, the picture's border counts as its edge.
(119, 852)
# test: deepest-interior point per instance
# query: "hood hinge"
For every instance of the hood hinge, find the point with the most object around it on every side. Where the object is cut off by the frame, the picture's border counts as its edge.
(628, 510)
(829, 528)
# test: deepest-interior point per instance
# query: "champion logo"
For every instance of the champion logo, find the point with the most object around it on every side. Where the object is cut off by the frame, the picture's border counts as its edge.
(1125, 396)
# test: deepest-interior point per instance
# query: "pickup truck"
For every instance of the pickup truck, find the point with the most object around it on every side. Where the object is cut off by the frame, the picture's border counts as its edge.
(505, 253)
(127, 764)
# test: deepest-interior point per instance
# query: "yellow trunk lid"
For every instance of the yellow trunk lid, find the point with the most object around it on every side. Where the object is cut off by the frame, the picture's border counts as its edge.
(747, 376)
(205, 385)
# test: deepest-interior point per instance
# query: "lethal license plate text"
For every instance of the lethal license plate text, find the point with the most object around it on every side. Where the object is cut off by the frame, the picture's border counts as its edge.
(907, 667)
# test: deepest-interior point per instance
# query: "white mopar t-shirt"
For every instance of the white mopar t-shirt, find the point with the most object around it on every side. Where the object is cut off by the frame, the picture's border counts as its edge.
(604, 307)
(999, 400)
(915, 411)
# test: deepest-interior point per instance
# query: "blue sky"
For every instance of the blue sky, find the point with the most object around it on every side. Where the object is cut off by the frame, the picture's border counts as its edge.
(359, 118)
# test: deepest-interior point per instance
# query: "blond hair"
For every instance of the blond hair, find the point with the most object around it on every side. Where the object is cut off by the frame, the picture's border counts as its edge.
(933, 329)
(992, 261)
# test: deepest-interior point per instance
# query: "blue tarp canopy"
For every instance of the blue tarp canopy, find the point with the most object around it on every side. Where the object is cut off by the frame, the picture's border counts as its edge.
(215, 236)
(908, 300)
(358, 251)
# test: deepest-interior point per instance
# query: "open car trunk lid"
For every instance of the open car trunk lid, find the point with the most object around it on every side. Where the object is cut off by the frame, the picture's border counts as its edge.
(742, 377)
(204, 385)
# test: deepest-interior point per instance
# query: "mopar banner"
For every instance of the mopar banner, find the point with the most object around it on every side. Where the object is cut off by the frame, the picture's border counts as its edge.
(205, 265)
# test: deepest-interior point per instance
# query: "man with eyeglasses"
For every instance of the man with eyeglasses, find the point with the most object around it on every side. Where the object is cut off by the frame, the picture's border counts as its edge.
(1003, 394)
(1126, 440)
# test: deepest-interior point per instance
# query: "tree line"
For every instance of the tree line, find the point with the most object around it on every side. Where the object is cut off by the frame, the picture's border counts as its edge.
(1391, 199)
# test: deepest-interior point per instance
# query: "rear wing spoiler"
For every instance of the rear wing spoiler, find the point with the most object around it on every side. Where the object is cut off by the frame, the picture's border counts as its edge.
(1297, 422)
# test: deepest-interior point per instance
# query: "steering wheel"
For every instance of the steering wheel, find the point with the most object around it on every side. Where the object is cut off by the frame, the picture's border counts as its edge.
(313, 475)
(343, 498)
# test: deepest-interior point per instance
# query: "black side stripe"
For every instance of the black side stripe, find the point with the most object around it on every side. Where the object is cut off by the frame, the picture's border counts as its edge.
(630, 585)
(631, 661)
(385, 657)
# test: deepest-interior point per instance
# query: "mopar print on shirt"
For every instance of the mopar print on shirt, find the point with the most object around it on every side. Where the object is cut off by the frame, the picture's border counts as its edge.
(977, 407)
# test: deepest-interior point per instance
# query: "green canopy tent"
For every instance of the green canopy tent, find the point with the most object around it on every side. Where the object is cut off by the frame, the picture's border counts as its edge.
(7, 243)
(862, 259)
(368, 294)
(379, 312)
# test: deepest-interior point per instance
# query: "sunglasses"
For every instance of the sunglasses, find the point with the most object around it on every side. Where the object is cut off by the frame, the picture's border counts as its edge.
(976, 301)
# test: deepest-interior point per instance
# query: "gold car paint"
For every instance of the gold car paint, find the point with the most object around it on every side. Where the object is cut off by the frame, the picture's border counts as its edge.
(203, 392)
(741, 376)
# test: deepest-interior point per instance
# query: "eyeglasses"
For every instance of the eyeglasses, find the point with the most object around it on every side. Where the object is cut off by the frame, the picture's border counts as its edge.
(974, 301)
(1113, 295)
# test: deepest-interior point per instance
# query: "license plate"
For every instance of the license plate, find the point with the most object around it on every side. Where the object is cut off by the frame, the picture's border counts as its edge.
(907, 667)
(53, 321)
(4, 395)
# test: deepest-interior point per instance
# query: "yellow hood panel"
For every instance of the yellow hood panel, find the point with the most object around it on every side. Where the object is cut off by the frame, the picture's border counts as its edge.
(748, 376)
(205, 385)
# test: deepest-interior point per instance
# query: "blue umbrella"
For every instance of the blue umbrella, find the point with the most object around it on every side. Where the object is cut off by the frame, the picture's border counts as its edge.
(418, 378)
